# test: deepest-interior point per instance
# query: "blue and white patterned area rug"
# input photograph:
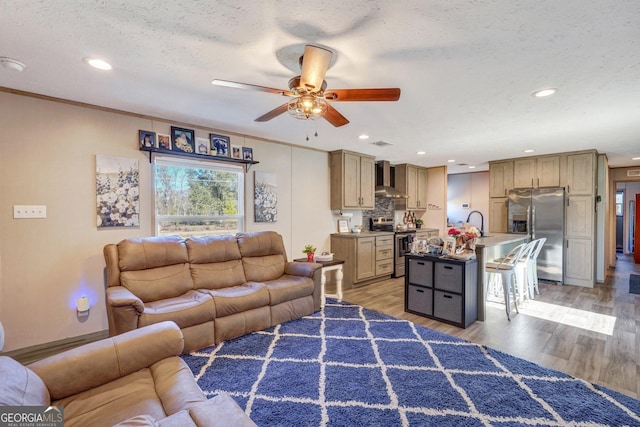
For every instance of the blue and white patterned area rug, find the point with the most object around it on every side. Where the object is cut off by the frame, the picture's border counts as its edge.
(349, 366)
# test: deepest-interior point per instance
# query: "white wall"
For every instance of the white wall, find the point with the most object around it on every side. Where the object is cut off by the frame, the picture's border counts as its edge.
(47, 157)
(472, 188)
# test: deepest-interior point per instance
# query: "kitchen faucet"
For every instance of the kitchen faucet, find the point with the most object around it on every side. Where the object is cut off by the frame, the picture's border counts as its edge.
(481, 221)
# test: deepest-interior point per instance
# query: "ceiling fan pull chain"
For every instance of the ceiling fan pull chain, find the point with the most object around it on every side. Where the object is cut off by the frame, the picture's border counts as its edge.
(315, 126)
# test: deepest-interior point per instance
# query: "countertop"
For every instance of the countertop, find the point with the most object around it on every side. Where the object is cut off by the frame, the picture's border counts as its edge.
(366, 233)
(499, 239)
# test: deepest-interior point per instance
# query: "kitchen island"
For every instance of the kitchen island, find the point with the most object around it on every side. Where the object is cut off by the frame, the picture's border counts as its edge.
(487, 249)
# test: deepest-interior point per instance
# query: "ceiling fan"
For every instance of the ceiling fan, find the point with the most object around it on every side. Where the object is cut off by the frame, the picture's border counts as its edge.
(309, 91)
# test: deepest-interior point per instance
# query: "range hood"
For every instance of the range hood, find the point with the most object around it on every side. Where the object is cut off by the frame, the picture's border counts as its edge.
(383, 182)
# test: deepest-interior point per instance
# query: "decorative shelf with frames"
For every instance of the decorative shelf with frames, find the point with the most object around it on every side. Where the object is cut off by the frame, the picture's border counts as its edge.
(249, 163)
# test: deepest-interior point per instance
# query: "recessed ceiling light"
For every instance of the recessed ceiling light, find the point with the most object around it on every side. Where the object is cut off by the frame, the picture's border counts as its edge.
(421, 153)
(363, 136)
(635, 158)
(450, 161)
(544, 92)
(12, 64)
(472, 167)
(529, 151)
(98, 63)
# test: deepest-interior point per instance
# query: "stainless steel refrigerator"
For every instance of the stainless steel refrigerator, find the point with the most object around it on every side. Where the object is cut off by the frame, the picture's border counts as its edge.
(540, 213)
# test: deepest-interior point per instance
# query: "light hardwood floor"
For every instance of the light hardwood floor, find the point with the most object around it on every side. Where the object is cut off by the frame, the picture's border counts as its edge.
(609, 358)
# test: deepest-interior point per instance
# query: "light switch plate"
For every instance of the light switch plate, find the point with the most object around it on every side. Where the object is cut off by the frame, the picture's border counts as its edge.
(29, 211)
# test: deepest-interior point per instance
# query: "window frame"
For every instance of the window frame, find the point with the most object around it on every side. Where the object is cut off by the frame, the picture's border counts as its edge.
(198, 164)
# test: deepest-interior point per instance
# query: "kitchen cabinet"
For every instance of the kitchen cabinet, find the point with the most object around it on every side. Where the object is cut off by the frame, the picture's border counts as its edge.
(498, 215)
(426, 234)
(500, 178)
(368, 257)
(536, 172)
(411, 180)
(580, 176)
(352, 180)
(442, 289)
(579, 241)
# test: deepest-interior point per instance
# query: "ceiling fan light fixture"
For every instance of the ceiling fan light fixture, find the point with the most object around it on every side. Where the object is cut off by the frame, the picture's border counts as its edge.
(307, 107)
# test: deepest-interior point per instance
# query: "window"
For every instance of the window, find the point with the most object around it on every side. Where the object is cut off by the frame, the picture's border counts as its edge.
(195, 198)
(619, 203)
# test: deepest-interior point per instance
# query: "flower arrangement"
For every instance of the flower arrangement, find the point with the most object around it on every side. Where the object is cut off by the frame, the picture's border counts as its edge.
(465, 241)
(310, 250)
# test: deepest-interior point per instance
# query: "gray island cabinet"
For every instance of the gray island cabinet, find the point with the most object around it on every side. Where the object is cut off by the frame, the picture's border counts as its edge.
(442, 289)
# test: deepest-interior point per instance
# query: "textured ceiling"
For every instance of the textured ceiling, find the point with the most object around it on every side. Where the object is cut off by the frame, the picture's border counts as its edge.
(466, 69)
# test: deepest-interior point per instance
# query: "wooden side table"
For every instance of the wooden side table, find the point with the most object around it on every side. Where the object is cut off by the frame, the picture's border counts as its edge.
(328, 266)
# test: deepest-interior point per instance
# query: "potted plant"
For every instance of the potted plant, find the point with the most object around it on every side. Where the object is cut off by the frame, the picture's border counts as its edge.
(310, 250)
(419, 223)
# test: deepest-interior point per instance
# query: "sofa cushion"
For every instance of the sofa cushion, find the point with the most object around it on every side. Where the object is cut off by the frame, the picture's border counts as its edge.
(20, 386)
(191, 308)
(113, 402)
(289, 288)
(151, 252)
(217, 275)
(260, 244)
(240, 298)
(263, 268)
(207, 249)
(158, 283)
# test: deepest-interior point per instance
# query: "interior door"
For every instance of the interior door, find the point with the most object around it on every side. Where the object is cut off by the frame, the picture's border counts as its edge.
(636, 235)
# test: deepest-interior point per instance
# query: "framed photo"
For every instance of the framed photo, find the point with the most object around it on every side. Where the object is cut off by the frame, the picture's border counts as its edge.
(164, 141)
(147, 139)
(247, 153)
(220, 145)
(236, 151)
(343, 226)
(202, 146)
(449, 246)
(182, 139)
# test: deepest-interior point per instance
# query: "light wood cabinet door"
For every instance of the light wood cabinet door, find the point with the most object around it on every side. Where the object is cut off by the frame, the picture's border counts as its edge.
(498, 215)
(579, 267)
(580, 173)
(367, 182)
(547, 171)
(500, 178)
(365, 258)
(421, 191)
(351, 189)
(524, 172)
(412, 187)
(579, 215)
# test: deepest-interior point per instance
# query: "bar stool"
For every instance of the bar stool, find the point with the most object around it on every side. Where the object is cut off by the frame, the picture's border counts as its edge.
(532, 267)
(505, 269)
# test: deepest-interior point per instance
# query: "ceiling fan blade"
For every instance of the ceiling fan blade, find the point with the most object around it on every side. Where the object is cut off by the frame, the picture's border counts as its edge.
(377, 94)
(315, 63)
(273, 113)
(334, 117)
(237, 85)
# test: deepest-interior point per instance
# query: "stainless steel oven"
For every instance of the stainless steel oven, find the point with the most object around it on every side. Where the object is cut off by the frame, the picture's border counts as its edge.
(401, 247)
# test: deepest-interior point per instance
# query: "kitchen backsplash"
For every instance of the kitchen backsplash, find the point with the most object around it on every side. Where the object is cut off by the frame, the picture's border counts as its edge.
(384, 207)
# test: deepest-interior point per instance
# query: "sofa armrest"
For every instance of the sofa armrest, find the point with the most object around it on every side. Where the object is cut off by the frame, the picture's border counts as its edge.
(305, 269)
(100, 362)
(123, 310)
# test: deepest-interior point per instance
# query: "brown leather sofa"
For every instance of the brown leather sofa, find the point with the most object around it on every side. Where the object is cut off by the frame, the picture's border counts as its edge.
(133, 379)
(215, 288)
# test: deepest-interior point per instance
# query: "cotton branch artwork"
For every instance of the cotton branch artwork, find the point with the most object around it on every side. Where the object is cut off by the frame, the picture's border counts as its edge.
(265, 197)
(117, 192)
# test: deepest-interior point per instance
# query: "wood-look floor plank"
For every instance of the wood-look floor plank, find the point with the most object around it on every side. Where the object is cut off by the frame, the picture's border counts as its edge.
(609, 360)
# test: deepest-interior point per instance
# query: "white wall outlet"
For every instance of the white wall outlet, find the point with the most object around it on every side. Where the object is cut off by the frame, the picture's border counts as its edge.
(31, 211)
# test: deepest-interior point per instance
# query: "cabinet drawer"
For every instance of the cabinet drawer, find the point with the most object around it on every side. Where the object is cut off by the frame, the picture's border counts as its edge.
(447, 306)
(448, 277)
(421, 272)
(384, 267)
(420, 299)
(384, 240)
(384, 252)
